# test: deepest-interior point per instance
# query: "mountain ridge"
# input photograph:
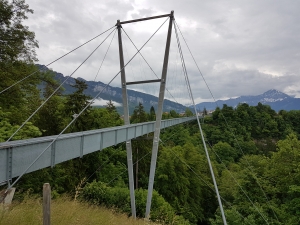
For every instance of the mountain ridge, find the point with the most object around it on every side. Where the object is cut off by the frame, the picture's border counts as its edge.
(115, 94)
(275, 99)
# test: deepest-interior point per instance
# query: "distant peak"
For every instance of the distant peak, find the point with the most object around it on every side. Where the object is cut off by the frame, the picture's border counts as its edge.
(272, 91)
(274, 95)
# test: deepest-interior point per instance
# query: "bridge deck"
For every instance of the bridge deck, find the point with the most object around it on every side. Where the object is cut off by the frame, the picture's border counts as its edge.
(16, 156)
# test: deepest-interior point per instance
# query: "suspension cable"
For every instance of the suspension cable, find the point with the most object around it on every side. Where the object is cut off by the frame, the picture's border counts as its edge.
(105, 55)
(55, 60)
(200, 178)
(197, 175)
(202, 136)
(235, 180)
(236, 140)
(57, 89)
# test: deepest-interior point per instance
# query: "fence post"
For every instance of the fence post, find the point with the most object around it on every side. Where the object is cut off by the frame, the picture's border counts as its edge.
(46, 203)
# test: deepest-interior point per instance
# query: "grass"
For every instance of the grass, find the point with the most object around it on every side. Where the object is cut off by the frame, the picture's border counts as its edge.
(64, 211)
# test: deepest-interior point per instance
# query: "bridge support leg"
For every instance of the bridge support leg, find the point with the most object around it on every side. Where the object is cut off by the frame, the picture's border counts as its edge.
(126, 121)
(158, 118)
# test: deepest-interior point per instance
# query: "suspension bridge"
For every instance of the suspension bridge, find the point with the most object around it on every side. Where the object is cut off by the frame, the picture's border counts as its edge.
(24, 156)
(16, 156)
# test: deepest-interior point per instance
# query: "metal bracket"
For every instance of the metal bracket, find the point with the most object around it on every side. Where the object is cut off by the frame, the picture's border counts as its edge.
(101, 141)
(9, 165)
(81, 146)
(53, 154)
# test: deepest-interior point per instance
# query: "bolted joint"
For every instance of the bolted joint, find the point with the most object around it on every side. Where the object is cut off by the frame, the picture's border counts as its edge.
(118, 24)
(172, 15)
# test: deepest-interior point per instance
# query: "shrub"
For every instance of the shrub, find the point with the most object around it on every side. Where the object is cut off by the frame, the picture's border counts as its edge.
(116, 197)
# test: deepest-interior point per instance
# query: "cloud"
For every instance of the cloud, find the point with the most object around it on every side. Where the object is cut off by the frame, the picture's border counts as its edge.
(241, 47)
(102, 102)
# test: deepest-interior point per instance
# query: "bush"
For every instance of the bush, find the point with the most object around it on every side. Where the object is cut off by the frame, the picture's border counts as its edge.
(116, 197)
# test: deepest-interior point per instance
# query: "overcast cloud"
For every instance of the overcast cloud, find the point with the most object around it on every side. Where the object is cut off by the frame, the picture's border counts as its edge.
(241, 47)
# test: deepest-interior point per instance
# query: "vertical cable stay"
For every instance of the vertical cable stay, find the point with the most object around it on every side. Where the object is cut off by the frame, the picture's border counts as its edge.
(56, 90)
(249, 166)
(55, 60)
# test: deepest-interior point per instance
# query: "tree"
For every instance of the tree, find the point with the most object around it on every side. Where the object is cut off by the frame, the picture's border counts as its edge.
(17, 54)
(76, 102)
(110, 106)
(102, 117)
(142, 146)
(152, 115)
(188, 112)
(139, 115)
(17, 42)
(7, 128)
(112, 110)
(50, 116)
(174, 114)
(226, 153)
(180, 186)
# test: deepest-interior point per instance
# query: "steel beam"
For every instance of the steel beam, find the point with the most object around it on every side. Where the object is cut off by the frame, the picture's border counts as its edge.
(143, 82)
(126, 122)
(158, 118)
(147, 18)
(16, 156)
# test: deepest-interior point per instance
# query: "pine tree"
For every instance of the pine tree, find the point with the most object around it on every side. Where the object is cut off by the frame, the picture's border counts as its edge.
(76, 102)
(152, 115)
(139, 115)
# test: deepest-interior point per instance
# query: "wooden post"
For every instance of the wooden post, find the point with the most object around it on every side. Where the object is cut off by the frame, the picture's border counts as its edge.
(46, 203)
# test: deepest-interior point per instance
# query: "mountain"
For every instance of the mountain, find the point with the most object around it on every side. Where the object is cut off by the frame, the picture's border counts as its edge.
(276, 99)
(115, 94)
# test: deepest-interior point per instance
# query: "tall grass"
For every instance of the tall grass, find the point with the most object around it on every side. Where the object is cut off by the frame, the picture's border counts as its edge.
(64, 212)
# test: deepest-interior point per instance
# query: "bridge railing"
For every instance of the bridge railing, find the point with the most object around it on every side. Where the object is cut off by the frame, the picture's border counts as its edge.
(16, 156)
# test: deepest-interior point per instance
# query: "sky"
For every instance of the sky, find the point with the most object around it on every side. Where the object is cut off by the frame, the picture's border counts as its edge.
(241, 47)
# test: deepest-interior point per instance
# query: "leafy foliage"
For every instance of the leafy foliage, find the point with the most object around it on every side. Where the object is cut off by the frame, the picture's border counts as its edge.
(101, 194)
(17, 42)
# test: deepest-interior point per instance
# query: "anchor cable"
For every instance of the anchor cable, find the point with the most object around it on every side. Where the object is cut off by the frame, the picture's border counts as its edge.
(55, 60)
(56, 89)
(237, 142)
(105, 55)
